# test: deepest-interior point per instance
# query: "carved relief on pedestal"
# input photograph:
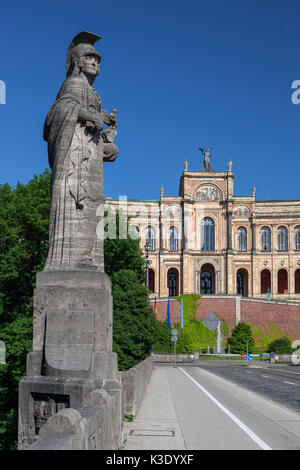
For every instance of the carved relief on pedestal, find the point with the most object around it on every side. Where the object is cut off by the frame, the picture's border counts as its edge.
(47, 405)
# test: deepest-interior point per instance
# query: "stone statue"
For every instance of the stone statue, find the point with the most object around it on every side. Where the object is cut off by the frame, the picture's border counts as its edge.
(207, 155)
(230, 166)
(185, 165)
(253, 191)
(71, 353)
(161, 191)
(77, 146)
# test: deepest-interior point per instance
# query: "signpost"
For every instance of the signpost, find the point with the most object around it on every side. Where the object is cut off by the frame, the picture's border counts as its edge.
(174, 339)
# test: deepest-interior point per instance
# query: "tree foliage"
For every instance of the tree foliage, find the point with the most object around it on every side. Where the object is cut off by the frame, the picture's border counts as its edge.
(24, 222)
(24, 216)
(134, 324)
(24, 219)
(121, 253)
(281, 346)
(238, 339)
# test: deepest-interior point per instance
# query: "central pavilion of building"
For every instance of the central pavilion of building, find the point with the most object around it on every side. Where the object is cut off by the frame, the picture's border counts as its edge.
(208, 241)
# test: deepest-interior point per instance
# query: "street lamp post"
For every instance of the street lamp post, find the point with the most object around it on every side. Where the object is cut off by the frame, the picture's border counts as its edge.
(148, 262)
(147, 265)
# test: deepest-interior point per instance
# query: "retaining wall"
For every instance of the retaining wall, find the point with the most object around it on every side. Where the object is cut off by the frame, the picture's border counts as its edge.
(170, 358)
(233, 309)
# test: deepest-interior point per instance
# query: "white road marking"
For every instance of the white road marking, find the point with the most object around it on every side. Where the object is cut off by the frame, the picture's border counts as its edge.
(243, 426)
(287, 371)
(291, 383)
(264, 376)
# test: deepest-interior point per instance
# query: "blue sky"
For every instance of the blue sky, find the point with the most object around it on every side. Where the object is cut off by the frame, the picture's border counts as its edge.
(182, 75)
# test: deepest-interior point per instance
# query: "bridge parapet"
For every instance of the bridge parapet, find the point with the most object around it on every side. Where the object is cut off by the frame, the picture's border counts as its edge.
(98, 425)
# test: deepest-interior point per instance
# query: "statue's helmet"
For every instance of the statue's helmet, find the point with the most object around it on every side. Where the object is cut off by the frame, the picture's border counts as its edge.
(82, 44)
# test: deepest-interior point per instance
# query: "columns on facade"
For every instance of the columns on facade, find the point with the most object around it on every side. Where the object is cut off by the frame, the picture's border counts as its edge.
(217, 282)
(291, 235)
(229, 257)
(160, 250)
(253, 226)
(274, 289)
(251, 278)
(229, 231)
(291, 280)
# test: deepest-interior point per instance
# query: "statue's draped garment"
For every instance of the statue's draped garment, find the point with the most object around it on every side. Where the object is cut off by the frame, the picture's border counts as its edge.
(76, 159)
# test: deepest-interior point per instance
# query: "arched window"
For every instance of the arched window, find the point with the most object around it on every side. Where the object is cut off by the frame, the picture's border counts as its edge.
(150, 237)
(282, 281)
(242, 282)
(242, 239)
(151, 280)
(282, 238)
(173, 279)
(173, 239)
(297, 281)
(207, 234)
(133, 232)
(207, 279)
(265, 239)
(265, 281)
(297, 237)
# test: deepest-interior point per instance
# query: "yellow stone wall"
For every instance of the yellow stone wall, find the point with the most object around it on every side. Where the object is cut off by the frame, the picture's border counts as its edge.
(184, 211)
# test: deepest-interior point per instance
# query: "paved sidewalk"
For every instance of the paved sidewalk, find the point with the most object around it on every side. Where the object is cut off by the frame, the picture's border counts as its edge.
(191, 408)
(156, 425)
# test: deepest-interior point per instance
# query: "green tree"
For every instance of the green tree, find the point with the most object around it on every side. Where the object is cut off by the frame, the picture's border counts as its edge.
(24, 219)
(121, 253)
(134, 324)
(24, 222)
(163, 342)
(24, 216)
(238, 339)
(281, 346)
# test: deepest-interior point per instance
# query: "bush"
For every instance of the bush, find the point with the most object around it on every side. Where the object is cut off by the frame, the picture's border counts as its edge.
(163, 342)
(238, 339)
(281, 346)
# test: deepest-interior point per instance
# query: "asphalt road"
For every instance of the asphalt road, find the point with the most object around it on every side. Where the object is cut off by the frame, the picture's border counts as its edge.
(280, 383)
(211, 408)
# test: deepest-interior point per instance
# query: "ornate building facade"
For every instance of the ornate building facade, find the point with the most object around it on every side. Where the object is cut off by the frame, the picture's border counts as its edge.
(208, 241)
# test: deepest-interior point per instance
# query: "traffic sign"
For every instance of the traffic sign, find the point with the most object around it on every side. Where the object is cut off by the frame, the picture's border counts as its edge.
(174, 332)
(174, 339)
(249, 357)
(242, 356)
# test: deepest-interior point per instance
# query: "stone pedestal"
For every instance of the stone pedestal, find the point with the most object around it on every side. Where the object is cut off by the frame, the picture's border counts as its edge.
(72, 347)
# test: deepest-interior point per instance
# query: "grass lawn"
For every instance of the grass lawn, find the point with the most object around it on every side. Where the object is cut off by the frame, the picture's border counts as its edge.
(224, 358)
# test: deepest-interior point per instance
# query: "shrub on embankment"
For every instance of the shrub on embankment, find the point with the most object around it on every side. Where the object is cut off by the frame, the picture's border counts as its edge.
(281, 346)
(194, 336)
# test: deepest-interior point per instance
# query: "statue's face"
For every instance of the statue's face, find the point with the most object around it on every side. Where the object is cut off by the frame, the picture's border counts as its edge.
(90, 65)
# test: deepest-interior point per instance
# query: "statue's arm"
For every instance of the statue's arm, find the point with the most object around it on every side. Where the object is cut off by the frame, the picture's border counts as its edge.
(73, 87)
(91, 118)
(85, 115)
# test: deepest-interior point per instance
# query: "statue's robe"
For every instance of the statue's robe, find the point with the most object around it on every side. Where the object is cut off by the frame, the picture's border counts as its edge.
(75, 157)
